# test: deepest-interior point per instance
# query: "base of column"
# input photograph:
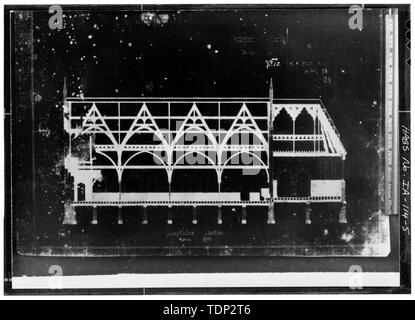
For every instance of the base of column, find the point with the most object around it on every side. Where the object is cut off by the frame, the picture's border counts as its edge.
(169, 215)
(145, 220)
(243, 215)
(94, 216)
(308, 214)
(69, 217)
(194, 212)
(120, 217)
(271, 214)
(219, 215)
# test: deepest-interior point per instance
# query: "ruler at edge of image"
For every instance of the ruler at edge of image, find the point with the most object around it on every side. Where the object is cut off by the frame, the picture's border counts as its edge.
(391, 112)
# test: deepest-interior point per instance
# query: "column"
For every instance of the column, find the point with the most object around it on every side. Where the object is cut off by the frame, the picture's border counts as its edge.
(169, 215)
(243, 214)
(274, 188)
(219, 214)
(88, 190)
(342, 214)
(94, 215)
(145, 220)
(308, 213)
(271, 214)
(219, 218)
(194, 211)
(70, 215)
(120, 217)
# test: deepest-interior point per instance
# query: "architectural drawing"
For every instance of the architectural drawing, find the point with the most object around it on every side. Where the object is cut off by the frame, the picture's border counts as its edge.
(253, 135)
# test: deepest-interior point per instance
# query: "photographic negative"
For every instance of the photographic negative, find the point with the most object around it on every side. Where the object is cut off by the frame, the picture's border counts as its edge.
(219, 131)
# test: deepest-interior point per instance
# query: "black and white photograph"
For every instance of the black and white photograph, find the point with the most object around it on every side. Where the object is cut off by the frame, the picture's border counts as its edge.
(207, 139)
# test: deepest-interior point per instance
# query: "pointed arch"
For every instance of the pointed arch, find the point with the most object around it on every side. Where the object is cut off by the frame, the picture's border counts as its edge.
(194, 151)
(244, 121)
(190, 122)
(94, 121)
(144, 116)
(304, 123)
(283, 123)
(258, 134)
(223, 167)
(144, 151)
(214, 165)
(197, 129)
(116, 167)
(108, 157)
